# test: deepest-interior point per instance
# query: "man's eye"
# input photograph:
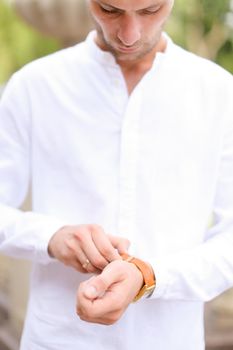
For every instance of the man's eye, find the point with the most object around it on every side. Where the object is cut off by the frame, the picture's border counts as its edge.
(150, 12)
(108, 10)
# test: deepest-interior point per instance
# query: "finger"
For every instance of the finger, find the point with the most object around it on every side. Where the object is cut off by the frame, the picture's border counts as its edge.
(104, 298)
(77, 266)
(121, 244)
(79, 258)
(86, 307)
(98, 286)
(104, 245)
(91, 251)
(89, 267)
(107, 319)
(102, 301)
(75, 249)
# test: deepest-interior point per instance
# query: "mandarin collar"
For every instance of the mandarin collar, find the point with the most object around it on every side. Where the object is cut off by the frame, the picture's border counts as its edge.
(107, 57)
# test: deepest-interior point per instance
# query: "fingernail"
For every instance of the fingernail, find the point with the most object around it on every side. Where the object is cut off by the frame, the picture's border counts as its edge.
(91, 292)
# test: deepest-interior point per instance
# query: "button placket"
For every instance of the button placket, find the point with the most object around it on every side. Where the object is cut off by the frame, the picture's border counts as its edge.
(128, 164)
(119, 88)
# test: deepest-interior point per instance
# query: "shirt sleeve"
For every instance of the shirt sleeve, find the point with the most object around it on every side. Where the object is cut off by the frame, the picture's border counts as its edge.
(22, 234)
(205, 271)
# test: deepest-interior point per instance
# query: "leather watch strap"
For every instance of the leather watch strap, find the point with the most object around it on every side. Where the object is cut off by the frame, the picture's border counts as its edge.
(148, 276)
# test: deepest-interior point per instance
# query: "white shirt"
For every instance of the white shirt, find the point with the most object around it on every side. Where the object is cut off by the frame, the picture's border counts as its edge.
(152, 167)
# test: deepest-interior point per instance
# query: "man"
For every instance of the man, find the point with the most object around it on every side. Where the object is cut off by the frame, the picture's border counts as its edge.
(128, 135)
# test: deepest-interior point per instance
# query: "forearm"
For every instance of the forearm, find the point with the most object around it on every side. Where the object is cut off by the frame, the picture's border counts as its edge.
(198, 274)
(26, 234)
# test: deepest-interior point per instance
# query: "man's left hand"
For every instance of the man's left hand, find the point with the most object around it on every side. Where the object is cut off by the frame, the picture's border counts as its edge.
(104, 298)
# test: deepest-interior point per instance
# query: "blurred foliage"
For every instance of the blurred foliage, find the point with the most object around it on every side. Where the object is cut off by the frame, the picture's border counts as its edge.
(19, 43)
(201, 26)
(204, 27)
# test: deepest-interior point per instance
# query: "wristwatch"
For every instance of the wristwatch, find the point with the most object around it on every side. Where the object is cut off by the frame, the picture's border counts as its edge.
(148, 276)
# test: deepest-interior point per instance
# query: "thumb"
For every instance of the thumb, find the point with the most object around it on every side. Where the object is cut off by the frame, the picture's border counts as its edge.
(97, 286)
(120, 243)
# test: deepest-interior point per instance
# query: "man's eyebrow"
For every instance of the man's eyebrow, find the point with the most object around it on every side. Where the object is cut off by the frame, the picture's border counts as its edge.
(110, 6)
(157, 5)
(153, 6)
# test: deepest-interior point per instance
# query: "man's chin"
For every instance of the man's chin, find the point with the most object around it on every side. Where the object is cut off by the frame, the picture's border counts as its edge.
(127, 57)
(130, 57)
(130, 54)
(127, 54)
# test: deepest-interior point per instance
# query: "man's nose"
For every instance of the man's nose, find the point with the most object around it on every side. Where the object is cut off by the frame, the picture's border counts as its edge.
(129, 31)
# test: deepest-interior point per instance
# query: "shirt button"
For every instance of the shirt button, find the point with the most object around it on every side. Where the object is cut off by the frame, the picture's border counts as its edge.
(116, 82)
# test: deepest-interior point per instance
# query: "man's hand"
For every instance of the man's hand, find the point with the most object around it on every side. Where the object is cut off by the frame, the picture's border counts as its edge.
(104, 298)
(87, 248)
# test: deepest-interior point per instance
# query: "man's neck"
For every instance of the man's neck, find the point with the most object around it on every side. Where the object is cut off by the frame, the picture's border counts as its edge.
(134, 71)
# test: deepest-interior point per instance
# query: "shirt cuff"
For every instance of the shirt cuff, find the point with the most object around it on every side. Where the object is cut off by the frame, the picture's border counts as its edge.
(162, 281)
(48, 228)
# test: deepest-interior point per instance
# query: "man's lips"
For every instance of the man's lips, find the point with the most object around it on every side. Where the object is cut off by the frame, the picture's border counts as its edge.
(128, 49)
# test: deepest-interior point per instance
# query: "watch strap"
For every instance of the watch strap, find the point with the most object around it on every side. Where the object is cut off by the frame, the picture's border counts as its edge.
(148, 276)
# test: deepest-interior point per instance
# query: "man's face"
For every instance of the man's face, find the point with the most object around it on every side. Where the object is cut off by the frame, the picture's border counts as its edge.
(129, 29)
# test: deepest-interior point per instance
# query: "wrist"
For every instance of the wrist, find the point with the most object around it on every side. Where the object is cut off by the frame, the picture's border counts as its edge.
(139, 279)
(147, 274)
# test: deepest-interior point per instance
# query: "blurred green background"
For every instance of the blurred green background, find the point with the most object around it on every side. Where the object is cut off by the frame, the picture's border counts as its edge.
(19, 42)
(201, 26)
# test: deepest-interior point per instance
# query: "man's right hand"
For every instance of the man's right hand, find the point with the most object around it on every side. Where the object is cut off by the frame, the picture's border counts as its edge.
(87, 248)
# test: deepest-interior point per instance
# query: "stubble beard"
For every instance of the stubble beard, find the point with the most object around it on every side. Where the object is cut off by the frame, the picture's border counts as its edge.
(146, 48)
